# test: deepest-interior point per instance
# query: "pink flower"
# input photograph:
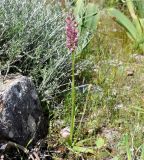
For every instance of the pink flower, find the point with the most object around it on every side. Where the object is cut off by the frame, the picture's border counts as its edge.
(71, 33)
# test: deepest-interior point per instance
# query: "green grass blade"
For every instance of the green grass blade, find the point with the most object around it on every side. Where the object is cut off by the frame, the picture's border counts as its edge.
(139, 109)
(129, 156)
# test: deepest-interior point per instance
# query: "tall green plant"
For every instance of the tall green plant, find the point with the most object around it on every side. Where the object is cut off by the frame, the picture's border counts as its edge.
(87, 15)
(134, 26)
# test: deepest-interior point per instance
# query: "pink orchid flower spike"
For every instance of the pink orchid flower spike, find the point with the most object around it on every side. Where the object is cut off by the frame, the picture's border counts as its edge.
(71, 33)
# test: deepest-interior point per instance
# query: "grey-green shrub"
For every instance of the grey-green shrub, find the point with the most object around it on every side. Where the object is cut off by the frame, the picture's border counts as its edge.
(32, 42)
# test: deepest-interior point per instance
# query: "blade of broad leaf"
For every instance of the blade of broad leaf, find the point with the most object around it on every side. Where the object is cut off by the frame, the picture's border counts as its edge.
(142, 46)
(142, 23)
(83, 149)
(142, 152)
(124, 22)
(115, 158)
(135, 18)
(79, 9)
(139, 7)
(100, 142)
(92, 16)
(81, 142)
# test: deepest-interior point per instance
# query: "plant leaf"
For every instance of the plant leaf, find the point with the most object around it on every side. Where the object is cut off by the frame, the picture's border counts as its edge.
(139, 7)
(83, 149)
(142, 22)
(100, 142)
(125, 23)
(115, 158)
(135, 18)
(79, 11)
(92, 16)
(81, 142)
(142, 152)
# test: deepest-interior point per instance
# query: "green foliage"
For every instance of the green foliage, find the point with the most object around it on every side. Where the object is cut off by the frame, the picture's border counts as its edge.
(128, 142)
(109, 110)
(139, 6)
(142, 152)
(32, 42)
(100, 142)
(83, 149)
(134, 27)
(113, 3)
(87, 15)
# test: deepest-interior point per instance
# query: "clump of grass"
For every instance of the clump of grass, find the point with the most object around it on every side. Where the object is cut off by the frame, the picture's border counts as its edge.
(111, 111)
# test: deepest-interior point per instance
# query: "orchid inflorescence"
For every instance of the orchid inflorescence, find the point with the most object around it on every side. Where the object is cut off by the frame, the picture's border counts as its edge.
(71, 33)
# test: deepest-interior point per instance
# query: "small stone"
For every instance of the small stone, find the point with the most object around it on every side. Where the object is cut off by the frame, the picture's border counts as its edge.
(11, 134)
(65, 132)
(130, 72)
(138, 58)
(111, 135)
(119, 106)
(90, 131)
(2, 157)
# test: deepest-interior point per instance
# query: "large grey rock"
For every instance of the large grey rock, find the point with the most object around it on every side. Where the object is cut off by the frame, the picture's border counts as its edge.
(21, 117)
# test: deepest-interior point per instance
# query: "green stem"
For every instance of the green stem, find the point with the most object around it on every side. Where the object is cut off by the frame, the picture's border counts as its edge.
(73, 100)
